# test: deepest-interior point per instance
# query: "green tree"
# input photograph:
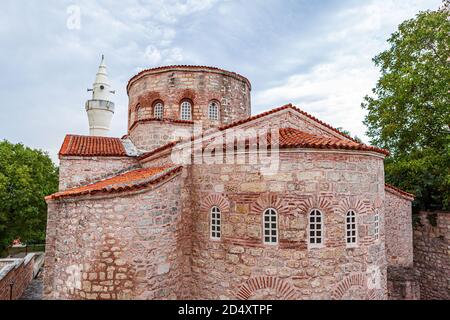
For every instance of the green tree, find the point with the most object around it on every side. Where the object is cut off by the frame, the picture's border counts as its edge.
(409, 111)
(26, 177)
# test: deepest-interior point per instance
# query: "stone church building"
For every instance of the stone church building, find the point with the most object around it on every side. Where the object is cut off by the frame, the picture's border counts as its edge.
(146, 216)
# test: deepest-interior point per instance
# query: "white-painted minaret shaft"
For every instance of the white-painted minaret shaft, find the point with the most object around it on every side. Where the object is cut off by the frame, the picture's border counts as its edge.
(100, 108)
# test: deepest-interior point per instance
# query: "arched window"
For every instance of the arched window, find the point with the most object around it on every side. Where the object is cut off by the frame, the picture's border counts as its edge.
(376, 225)
(270, 226)
(213, 110)
(158, 110)
(186, 110)
(137, 111)
(216, 223)
(315, 228)
(350, 228)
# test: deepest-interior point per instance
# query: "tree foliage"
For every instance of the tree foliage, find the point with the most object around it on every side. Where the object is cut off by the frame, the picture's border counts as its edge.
(26, 177)
(409, 111)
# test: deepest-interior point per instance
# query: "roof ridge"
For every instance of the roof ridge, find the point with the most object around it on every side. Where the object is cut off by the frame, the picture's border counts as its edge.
(400, 191)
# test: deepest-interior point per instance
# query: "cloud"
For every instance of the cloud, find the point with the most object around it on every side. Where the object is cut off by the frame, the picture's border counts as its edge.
(315, 54)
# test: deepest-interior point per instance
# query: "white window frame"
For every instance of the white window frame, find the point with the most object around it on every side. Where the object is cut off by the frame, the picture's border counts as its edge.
(316, 232)
(351, 228)
(213, 111)
(270, 227)
(186, 111)
(376, 225)
(215, 223)
(158, 110)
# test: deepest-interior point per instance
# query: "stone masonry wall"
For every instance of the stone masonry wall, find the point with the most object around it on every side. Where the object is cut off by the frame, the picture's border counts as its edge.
(241, 266)
(18, 272)
(77, 171)
(198, 85)
(432, 254)
(128, 246)
(399, 239)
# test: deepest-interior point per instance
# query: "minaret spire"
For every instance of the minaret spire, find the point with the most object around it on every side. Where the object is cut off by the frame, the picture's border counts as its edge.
(100, 108)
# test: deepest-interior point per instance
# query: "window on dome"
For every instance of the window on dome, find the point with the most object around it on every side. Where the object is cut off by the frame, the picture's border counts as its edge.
(158, 110)
(213, 110)
(186, 110)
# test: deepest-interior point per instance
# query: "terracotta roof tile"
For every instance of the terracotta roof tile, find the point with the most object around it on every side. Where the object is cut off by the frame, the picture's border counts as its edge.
(294, 138)
(399, 191)
(90, 146)
(132, 180)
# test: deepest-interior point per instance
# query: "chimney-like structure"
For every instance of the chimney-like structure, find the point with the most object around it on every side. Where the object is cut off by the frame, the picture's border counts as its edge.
(100, 108)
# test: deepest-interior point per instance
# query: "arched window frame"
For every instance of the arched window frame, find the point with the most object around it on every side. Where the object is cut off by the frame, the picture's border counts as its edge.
(316, 232)
(270, 226)
(215, 223)
(136, 110)
(214, 110)
(351, 229)
(185, 115)
(376, 225)
(158, 109)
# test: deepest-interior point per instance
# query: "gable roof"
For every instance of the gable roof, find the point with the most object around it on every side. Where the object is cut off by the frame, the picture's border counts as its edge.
(399, 192)
(131, 180)
(292, 137)
(89, 146)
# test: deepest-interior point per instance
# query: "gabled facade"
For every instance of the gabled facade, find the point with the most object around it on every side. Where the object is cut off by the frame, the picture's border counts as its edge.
(168, 212)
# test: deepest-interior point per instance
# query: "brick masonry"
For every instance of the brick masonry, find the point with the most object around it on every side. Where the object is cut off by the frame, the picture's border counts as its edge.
(19, 273)
(432, 254)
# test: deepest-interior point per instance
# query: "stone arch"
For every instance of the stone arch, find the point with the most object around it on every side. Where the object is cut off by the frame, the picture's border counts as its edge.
(351, 281)
(281, 287)
(324, 204)
(269, 200)
(355, 204)
(215, 200)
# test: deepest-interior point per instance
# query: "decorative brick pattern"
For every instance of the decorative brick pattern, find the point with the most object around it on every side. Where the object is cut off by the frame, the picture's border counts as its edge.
(282, 290)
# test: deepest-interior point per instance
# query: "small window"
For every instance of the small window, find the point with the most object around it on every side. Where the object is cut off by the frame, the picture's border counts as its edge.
(158, 110)
(270, 226)
(350, 228)
(216, 223)
(186, 112)
(213, 111)
(376, 225)
(315, 228)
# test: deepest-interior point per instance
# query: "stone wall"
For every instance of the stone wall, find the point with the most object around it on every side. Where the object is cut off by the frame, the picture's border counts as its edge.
(199, 85)
(399, 239)
(19, 273)
(78, 171)
(241, 266)
(128, 246)
(432, 254)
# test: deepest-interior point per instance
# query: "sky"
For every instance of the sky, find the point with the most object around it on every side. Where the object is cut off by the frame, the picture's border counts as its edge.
(314, 54)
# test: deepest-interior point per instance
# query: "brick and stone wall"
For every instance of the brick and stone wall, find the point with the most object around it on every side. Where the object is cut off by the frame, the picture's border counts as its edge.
(432, 254)
(77, 171)
(19, 273)
(399, 239)
(241, 266)
(130, 246)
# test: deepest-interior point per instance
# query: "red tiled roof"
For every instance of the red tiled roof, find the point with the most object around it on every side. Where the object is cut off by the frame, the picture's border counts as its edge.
(294, 138)
(332, 143)
(287, 106)
(164, 120)
(190, 67)
(400, 192)
(89, 146)
(132, 180)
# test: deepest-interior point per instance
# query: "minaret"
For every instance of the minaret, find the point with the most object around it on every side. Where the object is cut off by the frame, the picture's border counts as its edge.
(100, 108)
